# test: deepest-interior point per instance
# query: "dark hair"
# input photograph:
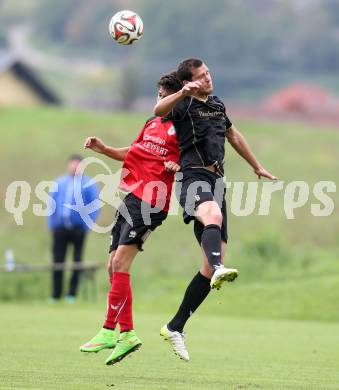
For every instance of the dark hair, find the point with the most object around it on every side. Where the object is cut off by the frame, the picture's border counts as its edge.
(75, 157)
(184, 71)
(170, 82)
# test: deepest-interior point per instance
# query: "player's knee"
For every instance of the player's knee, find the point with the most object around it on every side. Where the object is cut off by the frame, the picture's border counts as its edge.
(217, 220)
(213, 220)
(209, 213)
(121, 260)
(118, 263)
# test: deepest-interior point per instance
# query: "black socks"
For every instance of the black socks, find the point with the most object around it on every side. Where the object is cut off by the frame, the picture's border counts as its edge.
(199, 287)
(211, 243)
(195, 294)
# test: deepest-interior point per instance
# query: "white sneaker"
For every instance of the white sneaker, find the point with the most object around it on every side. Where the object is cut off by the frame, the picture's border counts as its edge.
(223, 274)
(177, 340)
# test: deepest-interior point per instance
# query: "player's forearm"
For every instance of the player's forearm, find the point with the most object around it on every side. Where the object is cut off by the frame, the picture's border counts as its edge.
(165, 105)
(239, 143)
(118, 154)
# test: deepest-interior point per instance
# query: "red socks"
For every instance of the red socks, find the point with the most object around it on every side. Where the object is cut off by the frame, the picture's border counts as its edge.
(119, 302)
(126, 316)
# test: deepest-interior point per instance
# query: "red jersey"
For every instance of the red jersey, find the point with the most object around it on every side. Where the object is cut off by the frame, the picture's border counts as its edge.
(144, 172)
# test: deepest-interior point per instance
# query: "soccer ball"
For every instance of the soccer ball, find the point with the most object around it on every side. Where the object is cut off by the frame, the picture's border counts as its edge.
(126, 27)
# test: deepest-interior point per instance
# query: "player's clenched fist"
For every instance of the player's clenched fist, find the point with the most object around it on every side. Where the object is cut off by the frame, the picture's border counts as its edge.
(191, 88)
(172, 167)
(95, 144)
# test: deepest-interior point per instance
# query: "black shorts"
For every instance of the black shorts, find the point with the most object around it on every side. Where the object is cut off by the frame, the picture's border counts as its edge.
(134, 222)
(199, 185)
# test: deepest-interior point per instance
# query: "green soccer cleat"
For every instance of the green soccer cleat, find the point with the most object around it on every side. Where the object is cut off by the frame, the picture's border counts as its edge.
(223, 274)
(128, 342)
(104, 339)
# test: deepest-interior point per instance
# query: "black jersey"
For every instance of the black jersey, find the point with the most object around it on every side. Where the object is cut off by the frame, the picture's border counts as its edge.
(200, 128)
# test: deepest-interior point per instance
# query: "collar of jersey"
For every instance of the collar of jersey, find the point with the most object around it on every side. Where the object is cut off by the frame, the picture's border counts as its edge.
(200, 100)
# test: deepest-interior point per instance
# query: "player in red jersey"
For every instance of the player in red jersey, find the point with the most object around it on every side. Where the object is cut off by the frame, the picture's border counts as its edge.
(148, 174)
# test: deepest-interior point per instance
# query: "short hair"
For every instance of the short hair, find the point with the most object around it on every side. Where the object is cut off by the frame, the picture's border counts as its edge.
(170, 82)
(75, 157)
(184, 71)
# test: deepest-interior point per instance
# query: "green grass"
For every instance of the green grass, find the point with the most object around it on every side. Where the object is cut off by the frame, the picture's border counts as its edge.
(283, 330)
(40, 350)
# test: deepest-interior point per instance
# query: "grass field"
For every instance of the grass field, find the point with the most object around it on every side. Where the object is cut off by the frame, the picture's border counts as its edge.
(39, 350)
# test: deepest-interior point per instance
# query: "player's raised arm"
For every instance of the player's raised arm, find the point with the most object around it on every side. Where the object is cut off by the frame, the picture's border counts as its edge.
(239, 143)
(98, 146)
(165, 105)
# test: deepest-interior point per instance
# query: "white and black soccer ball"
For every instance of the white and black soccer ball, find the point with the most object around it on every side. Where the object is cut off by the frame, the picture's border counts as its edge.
(126, 27)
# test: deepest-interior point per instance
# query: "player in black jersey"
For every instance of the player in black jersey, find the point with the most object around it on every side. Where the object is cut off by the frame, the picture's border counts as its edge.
(202, 126)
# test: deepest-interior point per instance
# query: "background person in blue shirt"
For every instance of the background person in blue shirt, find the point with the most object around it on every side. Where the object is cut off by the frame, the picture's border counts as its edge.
(67, 225)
